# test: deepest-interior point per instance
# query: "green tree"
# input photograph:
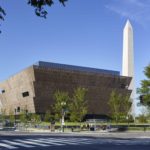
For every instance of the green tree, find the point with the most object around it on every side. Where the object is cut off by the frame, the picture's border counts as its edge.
(11, 117)
(144, 90)
(3, 115)
(47, 116)
(120, 106)
(78, 106)
(126, 106)
(35, 119)
(115, 104)
(61, 104)
(142, 118)
(23, 117)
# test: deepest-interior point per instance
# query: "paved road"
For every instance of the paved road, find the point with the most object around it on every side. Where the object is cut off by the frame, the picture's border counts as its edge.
(38, 142)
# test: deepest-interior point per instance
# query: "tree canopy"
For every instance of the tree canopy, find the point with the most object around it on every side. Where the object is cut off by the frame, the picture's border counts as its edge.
(115, 103)
(120, 105)
(78, 105)
(75, 106)
(144, 90)
(39, 6)
(61, 103)
(2, 14)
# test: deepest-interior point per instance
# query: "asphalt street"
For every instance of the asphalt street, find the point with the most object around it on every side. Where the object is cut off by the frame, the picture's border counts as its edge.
(51, 142)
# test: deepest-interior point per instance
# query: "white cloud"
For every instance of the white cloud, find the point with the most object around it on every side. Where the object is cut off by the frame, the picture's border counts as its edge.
(136, 10)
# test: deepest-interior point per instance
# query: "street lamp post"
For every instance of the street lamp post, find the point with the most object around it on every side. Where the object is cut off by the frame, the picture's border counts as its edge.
(63, 104)
(15, 116)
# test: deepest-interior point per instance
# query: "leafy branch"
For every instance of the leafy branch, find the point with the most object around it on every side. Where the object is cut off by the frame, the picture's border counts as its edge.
(39, 6)
(2, 14)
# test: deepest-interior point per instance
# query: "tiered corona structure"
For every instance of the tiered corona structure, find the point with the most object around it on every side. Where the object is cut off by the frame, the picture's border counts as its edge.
(33, 88)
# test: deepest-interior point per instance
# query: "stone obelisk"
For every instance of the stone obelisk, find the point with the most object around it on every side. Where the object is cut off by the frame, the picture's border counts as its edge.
(128, 60)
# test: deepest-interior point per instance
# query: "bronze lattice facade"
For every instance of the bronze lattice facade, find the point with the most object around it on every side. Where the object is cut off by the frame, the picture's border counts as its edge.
(33, 88)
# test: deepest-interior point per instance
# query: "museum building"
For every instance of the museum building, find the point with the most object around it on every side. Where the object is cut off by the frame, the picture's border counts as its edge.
(34, 87)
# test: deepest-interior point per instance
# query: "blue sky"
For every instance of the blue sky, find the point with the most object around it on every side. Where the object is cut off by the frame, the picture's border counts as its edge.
(83, 33)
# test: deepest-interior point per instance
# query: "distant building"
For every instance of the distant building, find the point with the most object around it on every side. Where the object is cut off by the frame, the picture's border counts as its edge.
(33, 88)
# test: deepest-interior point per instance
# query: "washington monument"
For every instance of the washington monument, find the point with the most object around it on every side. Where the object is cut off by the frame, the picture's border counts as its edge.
(128, 59)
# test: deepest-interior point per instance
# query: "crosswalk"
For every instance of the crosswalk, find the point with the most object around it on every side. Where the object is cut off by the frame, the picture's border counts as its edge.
(64, 141)
(43, 142)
